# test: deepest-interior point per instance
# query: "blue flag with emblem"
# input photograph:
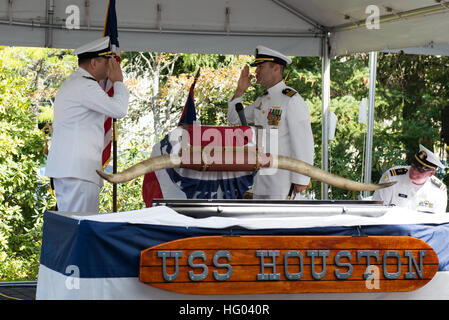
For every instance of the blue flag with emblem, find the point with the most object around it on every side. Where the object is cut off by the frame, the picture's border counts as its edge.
(110, 26)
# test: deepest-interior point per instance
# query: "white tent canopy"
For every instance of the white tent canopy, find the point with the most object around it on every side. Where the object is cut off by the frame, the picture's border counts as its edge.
(295, 27)
(323, 28)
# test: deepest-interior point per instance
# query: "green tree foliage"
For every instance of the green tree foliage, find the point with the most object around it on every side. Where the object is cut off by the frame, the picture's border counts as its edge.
(411, 92)
(414, 91)
(24, 193)
(129, 195)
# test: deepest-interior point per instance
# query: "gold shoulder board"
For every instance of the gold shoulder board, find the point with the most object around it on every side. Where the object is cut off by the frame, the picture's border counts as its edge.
(398, 172)
(438, 183)
(289, 92)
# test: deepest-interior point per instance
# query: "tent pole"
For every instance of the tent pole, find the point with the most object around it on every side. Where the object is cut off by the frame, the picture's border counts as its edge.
(325, 112)
(50, 12)
(371, 105)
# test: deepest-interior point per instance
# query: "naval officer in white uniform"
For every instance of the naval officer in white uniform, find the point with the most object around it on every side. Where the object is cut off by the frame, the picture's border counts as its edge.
(416, 186)
(282, 112)
(80, 108)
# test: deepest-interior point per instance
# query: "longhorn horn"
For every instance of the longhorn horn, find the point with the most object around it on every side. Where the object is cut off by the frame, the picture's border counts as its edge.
(141, 168)
(306, 169)
(263, 160)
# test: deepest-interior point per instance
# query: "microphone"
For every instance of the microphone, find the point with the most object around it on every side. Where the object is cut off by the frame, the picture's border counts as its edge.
(290, 193)
(241, 113)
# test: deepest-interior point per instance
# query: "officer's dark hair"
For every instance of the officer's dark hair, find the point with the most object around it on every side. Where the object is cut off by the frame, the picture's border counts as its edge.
(83, 61)
(280, 66)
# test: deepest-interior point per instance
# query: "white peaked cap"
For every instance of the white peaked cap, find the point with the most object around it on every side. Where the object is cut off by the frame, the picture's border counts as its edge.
(427, 158)
(96, 48)
(264, 54)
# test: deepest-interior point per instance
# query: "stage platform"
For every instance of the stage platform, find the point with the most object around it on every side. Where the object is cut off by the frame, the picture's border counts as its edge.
(96, 256)
(18, 290)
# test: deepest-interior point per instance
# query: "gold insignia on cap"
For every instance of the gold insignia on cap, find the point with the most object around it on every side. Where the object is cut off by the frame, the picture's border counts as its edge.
(421, 157)
(259, 60)
(108, 54)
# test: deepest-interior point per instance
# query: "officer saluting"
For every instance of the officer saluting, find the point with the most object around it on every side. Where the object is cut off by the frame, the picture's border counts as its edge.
(78, 127)
(280, 111)
(416, 186)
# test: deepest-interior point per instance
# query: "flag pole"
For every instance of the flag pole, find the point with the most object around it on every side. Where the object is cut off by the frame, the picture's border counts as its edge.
(110, 29)
(114, 151)
(114, 163)
(197, 75)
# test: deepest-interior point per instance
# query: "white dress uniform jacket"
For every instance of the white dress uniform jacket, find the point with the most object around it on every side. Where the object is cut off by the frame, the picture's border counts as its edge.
(78, 126)
(284, 110)
(429, 197)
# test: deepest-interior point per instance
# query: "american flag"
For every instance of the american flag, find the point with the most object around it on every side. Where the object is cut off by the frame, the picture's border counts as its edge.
(110, 29)
(184, 183)
(188, 115)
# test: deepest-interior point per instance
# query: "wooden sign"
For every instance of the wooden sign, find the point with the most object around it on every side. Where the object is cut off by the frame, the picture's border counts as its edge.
(288, 264)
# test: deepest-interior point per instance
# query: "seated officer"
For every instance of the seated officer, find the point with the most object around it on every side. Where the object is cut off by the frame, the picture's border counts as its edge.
(416, 186)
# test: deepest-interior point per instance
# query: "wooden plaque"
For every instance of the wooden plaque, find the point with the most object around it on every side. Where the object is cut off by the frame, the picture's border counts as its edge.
(288, 264)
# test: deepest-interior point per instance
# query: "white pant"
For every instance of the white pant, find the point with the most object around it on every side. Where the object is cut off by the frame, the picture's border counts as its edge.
(75, 195)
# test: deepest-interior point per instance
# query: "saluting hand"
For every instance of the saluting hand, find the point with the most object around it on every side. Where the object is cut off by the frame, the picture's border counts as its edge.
(114, 70)
(244, 82)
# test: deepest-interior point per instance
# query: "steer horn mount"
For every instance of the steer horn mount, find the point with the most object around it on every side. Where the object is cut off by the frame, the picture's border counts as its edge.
(235, 159)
